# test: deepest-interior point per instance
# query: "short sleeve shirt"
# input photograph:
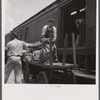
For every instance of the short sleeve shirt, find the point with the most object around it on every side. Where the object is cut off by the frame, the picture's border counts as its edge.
(54, 31)
(15, 47)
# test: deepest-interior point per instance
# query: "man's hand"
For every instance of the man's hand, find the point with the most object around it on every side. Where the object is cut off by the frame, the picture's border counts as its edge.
(45, 40)
(53, 41)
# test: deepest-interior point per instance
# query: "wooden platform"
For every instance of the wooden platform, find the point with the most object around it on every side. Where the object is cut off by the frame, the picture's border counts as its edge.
(79, 51)
(66, 66)
(83, 74)
(54, 65)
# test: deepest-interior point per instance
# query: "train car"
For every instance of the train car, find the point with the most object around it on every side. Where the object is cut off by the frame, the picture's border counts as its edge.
(65, 12)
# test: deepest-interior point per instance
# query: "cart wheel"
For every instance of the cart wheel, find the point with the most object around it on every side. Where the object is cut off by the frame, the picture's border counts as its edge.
(26, 73)
(42, 78)
(71, 79)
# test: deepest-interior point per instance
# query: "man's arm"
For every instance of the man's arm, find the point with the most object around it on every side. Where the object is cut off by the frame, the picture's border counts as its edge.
(43, 34)
(44, 31)
(54, 33)
(30, 45)
(7, 47)
(27, 45)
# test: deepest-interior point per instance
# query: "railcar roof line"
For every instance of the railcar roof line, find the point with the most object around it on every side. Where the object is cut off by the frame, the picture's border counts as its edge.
(48, 7)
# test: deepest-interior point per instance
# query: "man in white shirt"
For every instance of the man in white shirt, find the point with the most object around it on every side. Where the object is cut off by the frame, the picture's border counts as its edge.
(14, 50)
(46, 30)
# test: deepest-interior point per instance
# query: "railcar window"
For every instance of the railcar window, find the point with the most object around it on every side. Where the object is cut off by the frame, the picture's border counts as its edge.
(83, 9)
(73, 12)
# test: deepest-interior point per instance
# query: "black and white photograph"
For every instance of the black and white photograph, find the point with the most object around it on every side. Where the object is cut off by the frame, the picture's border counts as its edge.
(51, 43)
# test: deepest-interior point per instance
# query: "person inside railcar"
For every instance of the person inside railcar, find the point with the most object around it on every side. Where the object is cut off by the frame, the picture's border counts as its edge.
(80, 39)
(14, 50)
(46, 30)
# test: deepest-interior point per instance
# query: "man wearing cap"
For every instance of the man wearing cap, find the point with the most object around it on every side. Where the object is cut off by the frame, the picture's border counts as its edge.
(14, 50)
(46, 30)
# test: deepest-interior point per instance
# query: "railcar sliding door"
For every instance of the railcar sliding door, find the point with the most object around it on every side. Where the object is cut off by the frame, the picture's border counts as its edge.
(69, 13)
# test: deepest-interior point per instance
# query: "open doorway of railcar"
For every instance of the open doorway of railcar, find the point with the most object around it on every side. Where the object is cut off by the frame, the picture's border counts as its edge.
(69, 14)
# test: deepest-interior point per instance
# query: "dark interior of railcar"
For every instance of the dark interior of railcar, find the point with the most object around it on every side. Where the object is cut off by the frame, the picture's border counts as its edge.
(69, 13)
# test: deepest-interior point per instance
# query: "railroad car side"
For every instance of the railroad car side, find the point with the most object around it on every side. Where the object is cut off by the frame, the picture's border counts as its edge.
(31, 30)
(65, 12)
